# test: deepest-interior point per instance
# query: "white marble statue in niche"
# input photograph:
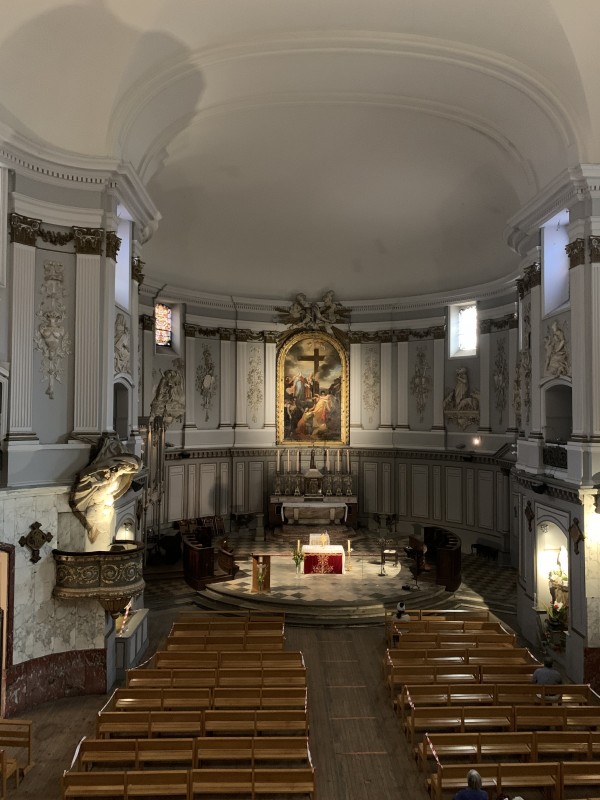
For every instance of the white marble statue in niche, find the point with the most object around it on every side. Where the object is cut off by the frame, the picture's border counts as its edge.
(51, 338)
(122, 345)
(98, 486)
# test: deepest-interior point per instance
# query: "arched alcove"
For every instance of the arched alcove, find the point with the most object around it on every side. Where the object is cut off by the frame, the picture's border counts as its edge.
(121, 410)
(558, 413)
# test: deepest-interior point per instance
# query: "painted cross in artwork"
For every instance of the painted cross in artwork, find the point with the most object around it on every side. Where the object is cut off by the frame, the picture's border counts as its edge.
(312, 393)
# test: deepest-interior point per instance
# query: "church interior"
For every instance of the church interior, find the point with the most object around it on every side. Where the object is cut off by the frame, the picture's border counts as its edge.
(299, 315)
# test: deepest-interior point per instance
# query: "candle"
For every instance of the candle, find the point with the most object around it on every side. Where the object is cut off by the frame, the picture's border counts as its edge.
(327, 460)
(298, 546)
(338, 460)
(348, 460)
(288, 459)
(348, 546)
(278, 461)
(299, 461)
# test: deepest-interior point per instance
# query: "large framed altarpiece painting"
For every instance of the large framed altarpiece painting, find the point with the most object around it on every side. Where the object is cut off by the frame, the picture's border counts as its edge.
(312, 390)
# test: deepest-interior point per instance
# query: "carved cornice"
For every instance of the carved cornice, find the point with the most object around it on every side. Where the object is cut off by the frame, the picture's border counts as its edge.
(147, 322)
(113, 243)
(503, 323)
(271, 337)
(594, 242)
(23, 230)
(189, 331)
(485, 326)
(557, 492)
(246, 335)
(88, 241)
(225, 334)
(56, 238)
(576, 252)
(137, 270)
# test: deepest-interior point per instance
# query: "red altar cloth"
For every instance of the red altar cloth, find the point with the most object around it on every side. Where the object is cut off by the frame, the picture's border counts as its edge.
(323, 563)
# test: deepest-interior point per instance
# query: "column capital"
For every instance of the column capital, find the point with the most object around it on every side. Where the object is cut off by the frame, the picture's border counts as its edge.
(576, 252)
(113, 243)
(147, 322)
(23, 230)
(189, 330)
(88, 241)
(594, 242)
(137, 270)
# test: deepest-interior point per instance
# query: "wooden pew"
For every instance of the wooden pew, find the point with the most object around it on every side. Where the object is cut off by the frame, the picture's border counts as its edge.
(580, 774)
(194, 659)
(94, 784)
(400, 675)
(293, 781)
(147, 724)
(16, 735)
(128, 699)
(245, 640)
(499, 672)
(258, 697)
(444, 694)
(284, 722)
(562, 744)
(156, 783)
(499, 777)
(263, 659)
(260, 676)
(133, 753)
(474, 747)
(171, 678)
(8, 768)
(422, 719)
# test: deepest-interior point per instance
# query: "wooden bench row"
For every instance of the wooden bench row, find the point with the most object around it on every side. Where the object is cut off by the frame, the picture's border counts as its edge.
(513, 745)
(188, 784)
(227, 641)
(398, 675)
(460, 655)
(239, 613)
(192, 752)
(506, 694)
(248, 722)
(173, 659)
(430, 641)
(216, 676)
(430, 719)
(220, 626)
(200, 698)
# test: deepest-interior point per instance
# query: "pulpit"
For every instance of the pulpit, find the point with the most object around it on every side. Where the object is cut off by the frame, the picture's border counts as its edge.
(261, 572)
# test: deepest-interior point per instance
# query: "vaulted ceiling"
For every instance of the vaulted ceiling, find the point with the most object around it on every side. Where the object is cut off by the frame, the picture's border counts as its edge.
(373, 148)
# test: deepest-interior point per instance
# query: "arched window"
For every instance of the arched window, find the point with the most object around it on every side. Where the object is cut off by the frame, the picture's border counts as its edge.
(163, 325)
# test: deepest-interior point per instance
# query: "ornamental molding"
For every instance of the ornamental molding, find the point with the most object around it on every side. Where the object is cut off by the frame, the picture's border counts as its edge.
(246, 335)
(594, 243)
(207, 381)
(500, 378)
(485, 326)
(576, 252)
(23, 230)
(552, 490)
(371, 382)
(421, 382)
(189, 331)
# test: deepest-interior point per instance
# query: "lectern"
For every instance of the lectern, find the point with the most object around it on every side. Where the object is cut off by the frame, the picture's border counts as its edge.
(261, 566)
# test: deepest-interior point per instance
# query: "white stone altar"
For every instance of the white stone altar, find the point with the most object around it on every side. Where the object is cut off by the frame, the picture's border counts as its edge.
(314, 513)
(330, 549)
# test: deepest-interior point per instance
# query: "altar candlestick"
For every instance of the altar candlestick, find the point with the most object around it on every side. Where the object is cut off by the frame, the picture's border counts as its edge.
(298, 546)
(348, 546)
(278, 461)
(338, 460)
(348, 460)
(327, 460)
(288, 459)
(299, 461)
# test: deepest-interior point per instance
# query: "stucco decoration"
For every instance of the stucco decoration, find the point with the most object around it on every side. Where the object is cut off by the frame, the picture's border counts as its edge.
(169, 398)
(97, 487)
(51, 338)
(206, 381)
(255, 381)
(500, 378)
(122, 345)
(557, 361)
(314, 316)
(461, 405)
(516, 396)
(371, 382)
(421, 383)
(526, 384)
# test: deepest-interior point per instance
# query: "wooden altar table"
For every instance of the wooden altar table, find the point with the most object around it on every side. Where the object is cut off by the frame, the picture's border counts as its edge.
(328, 559)
(314, 513)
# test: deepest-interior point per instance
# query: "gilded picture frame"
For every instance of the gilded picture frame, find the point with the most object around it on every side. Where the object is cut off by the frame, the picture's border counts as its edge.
(312, 391)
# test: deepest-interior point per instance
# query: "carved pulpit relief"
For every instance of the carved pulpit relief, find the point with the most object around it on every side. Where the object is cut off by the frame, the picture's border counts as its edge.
(461, 404)
(98, 486)
(51, 338)
(122, 345)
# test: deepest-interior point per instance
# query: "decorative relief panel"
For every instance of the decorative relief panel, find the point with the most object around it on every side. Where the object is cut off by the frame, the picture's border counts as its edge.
(51, 338)
(421, 382)
(516, 395)
(122, 345)
(500, 378)
(206, 381)
(371, 381)
(557, 360)
(461, 404)
(169, 398)
(255, 381)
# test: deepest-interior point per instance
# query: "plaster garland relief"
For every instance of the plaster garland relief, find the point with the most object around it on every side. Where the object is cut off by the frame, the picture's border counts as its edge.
(500, 378)
(255, 380)
(206, 381)
(421, 383)
(371, 382)
(557, 360)
(51, 338)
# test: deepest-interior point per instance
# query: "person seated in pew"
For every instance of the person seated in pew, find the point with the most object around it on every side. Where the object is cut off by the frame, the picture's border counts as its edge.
(473, 790)
(401, 614)
(547, 675)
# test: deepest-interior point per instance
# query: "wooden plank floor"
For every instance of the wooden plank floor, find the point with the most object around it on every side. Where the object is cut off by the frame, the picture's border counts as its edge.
(358, 750)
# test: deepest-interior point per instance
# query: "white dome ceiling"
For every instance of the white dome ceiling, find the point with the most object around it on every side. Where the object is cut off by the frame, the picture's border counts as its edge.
(377, 149)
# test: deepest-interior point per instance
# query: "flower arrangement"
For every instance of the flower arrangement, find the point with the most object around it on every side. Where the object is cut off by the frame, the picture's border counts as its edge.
(558, 614)
(298, 556)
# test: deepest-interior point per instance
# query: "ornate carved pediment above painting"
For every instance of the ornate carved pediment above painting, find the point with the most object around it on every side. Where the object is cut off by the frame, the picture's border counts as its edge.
(326, 315)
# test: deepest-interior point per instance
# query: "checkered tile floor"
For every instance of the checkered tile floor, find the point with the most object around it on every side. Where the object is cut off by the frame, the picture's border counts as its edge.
(484, 583)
